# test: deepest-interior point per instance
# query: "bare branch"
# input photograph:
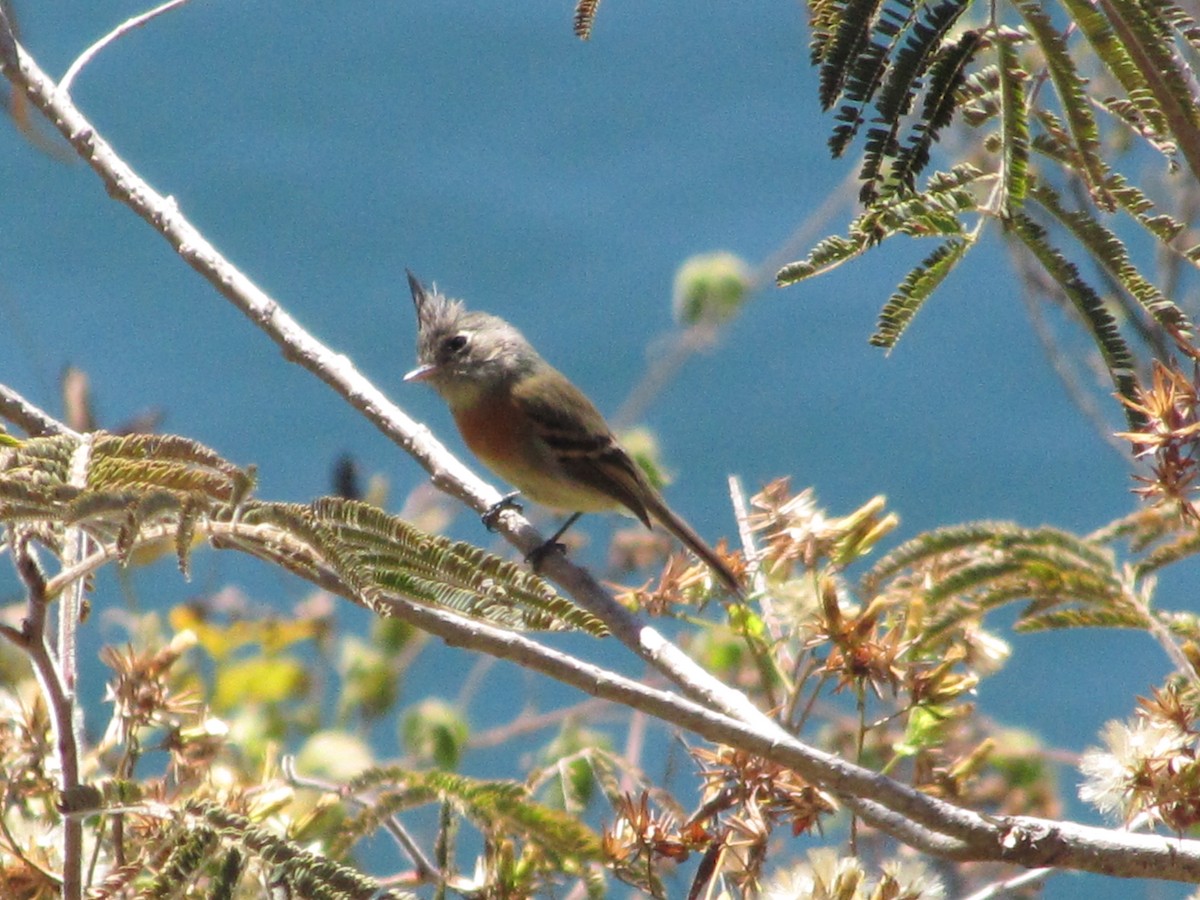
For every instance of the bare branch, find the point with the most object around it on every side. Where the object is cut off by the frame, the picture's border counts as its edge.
(59, 700)
(717, 712)
(337, 371)
(21, 412)
(124, 28)
(426, 869)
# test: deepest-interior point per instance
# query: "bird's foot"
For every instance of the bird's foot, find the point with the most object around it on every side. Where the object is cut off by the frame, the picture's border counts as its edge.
(508, 501)
(538, 554)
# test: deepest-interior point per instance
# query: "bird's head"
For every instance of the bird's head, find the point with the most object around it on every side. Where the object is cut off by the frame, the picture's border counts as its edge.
(464, 354)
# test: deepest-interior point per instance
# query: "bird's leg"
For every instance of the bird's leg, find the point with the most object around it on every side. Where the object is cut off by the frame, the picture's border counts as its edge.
(535, 556)
(508, 501)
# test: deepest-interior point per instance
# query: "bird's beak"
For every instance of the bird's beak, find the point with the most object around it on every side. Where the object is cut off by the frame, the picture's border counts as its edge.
(420, 373)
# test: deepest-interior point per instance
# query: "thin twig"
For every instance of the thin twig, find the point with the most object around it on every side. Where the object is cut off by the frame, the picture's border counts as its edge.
(719, 713)
(75, 545)
(665, 364)
(446, 471)
(741, 510)
(33, 420)
(124, 28)
(527, 723)
(1000, 888)
(426, 870)
(59, 701)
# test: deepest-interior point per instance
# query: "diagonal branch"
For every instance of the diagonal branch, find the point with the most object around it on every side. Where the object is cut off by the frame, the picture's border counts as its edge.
(717, 712)
(917, 819)
(447, 472)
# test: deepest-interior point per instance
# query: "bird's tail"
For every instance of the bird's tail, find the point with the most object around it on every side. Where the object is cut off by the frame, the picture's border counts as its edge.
(661, 513)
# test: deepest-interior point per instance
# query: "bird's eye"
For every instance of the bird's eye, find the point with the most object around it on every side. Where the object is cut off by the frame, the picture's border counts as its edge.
(455, 344)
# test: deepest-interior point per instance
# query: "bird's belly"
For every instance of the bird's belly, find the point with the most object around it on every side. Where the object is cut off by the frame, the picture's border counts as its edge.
(492, 432)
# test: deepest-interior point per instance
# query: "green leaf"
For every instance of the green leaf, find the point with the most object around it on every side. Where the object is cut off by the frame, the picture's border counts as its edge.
(436, 730)
(1087, 303)
(378, 556)
(263, 679)
(849, 42)
(962, 572)
(1147, 37)
(915, 290)
(497, 807)
(828, 254)
(1114, 54)
(1110, 253)
(1014, 131)
(1072, 94)
(935, 211)
(929, 25)
(947, 75)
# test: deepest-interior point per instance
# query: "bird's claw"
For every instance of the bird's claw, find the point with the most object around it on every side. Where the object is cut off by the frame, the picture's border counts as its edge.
(538, 554)
(492, 514)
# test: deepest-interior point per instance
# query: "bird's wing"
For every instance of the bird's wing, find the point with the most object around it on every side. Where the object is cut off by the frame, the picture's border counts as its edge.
(581, 441)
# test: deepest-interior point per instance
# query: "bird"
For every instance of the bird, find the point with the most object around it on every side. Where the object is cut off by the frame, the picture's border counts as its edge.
(532, 427)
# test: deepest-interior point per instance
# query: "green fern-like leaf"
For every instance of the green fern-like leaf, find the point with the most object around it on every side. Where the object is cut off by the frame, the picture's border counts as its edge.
(924, 38)
(946, 77)
(962, 573)
(844, 48)
(981, 96)
(828, 254)
(1052, 143)
(1087, 303)
(1072, 94)
(1083, 617)
(585, 18)
(162, 461)
(128, 484)
(1180, 547)
(921, 48)
(133, 483)
(935, 211)
(823, 19)
(1014, 128)
(937, 544)
(868, 71)
(1138, 205)
(313, 874)
(1145, 30)
(496, 807)
(190, 850)
(1173, 19)
(1113, 53)
(1110, 253)
(915, 290)
(377, 555)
